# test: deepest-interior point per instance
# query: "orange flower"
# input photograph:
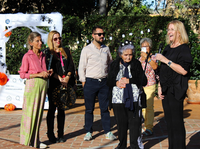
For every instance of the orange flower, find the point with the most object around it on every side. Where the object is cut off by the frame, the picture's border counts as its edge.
(8, 33)
(3, 78)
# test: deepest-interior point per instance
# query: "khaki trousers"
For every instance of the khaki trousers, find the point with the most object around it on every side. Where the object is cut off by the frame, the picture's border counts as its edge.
(148, 112)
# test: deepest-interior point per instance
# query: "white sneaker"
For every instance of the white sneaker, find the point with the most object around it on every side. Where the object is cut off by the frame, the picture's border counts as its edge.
(42, 145)
(110, 136)
(88, 136)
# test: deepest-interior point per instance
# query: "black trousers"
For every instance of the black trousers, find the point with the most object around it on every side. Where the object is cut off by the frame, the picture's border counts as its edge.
(50, 119)
(173, 110)
(126, 120)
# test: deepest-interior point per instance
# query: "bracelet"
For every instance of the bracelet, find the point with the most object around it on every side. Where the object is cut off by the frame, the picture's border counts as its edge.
(149, 60)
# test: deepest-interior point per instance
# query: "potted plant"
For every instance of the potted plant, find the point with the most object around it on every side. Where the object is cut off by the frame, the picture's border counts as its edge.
(193, 92)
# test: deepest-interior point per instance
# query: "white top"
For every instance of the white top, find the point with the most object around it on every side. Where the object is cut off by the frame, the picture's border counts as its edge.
(117, 93)
(94, 62)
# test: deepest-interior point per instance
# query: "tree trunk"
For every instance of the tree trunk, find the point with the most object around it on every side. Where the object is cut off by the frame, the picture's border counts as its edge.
(102, 7)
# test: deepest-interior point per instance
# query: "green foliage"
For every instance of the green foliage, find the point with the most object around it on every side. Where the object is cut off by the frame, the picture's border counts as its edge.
(77, 31)
(195, 51)
(128, 8)
(16, 48)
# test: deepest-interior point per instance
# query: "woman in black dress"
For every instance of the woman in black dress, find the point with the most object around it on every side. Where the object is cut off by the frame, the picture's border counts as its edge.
(175, 65)
(61, 59)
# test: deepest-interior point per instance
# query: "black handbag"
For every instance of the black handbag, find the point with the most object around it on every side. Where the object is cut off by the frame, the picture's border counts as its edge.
(143, 98)
(64, 98)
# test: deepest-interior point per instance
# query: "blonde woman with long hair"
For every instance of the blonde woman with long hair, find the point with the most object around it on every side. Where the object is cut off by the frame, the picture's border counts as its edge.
(63, 68)
(175, 65)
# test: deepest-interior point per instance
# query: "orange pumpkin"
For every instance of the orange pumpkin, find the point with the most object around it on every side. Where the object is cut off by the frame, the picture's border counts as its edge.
(8, 33)
(3, 78)
(9, 107)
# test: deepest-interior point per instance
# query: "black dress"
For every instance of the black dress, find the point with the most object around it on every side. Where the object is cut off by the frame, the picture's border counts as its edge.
(53, 83)
(169, 78)
(174, 87)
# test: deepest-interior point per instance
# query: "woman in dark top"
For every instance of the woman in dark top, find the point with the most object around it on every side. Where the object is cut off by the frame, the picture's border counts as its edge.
(61, 58)
(176, 60)
(124, 79)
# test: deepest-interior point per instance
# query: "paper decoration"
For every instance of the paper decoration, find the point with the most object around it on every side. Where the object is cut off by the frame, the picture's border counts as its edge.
(130, 34)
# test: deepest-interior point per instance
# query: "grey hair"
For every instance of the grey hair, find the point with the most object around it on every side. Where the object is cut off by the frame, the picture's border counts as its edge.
(123, 48)
(146, 40)
(30, 38)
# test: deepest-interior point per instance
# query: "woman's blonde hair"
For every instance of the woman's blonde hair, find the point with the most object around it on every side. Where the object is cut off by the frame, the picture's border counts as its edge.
(50, 44)
(30, 38)
(180, 28)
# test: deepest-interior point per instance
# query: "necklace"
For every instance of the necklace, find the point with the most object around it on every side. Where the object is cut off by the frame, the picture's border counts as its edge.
(174, 45)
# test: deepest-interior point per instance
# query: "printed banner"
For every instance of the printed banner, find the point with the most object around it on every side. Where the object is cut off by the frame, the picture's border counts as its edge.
(13, 92)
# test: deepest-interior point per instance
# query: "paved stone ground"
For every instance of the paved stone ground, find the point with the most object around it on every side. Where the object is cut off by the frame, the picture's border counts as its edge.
(74, 129)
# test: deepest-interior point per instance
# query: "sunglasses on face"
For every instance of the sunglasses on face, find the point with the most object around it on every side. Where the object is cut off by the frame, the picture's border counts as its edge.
(55, 39)
(99, 34)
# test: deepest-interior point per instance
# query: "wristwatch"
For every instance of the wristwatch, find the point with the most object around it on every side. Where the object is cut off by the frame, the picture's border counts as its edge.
(169, 63)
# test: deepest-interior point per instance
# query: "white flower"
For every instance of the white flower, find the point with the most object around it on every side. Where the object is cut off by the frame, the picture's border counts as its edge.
(110, 38)
(141, 32)
(77, 42)
(148, 30)
(123, 35)
(130, 34)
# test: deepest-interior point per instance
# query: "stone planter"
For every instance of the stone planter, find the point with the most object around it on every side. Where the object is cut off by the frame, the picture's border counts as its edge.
(193, 92)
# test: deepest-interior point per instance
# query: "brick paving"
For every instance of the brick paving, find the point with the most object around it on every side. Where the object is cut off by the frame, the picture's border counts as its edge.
(74, 129)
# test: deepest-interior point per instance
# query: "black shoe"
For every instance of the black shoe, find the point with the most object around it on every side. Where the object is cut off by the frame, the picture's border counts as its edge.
(61, 140)
(53, 140)
(117, 147)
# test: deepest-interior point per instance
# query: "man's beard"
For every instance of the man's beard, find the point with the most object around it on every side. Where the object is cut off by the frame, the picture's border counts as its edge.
(99, 42)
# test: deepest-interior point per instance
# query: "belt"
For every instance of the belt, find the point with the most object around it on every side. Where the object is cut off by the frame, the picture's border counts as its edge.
(100, 79)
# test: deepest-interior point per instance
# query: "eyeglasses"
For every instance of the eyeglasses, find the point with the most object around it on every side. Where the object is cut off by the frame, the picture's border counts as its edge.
(99, 34)
(55, 39)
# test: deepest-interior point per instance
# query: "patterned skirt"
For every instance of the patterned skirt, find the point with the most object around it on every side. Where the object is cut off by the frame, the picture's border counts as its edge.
(32, 111)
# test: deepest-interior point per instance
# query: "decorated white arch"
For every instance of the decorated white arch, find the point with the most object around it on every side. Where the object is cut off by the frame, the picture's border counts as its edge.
(13, 91)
